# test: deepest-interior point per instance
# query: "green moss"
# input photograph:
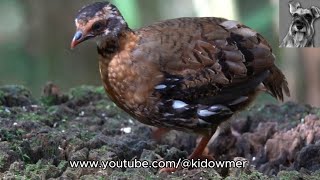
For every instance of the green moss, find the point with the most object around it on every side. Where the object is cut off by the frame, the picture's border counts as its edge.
(100, 90)
(134, 174)
(31, 116)
(63, 165)
(48, 100)
(52, 109)
(104, 105)
(93, 177)
(48, 144)
(5, 112)
(108, 107)
(103, 149)
(11, 135)
(15, 95)
(295, 175)
(289, 175)
(41, 170)
(2, 161)
(23, 155)
(56, 111)
(86, 135)
(2, 97)
(14, 89)
(253, 175)
(316, 174)
(22, 149)
(53, 99)
(83, 91)
(36, 117)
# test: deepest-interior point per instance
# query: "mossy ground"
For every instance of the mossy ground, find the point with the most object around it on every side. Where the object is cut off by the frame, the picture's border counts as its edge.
(39, 137)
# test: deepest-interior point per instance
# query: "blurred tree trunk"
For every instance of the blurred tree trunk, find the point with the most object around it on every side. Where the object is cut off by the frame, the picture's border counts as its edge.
(291, 69)
(48, 22)
(311, 60)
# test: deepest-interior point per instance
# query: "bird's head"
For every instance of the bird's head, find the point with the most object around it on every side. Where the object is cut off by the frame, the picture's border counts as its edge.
(100, 20)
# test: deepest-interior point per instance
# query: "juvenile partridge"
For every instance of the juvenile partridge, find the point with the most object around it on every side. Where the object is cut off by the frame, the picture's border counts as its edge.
(187, 74)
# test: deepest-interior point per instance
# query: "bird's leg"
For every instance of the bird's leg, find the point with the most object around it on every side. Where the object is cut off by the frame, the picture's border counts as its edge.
(158, 133)
(196, 154)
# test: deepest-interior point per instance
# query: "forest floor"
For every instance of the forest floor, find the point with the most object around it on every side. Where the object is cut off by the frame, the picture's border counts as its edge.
(38, 138)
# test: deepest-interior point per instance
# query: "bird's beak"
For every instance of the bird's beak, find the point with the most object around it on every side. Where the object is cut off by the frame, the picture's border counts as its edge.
(77, 39)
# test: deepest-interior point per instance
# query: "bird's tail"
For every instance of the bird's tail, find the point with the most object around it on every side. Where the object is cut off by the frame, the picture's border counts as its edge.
(276, 83)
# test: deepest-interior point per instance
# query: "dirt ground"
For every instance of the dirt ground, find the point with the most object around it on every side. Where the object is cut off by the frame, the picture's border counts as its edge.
(39, 136)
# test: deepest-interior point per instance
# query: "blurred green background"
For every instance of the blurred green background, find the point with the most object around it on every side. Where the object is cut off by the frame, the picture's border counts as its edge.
(35, 37)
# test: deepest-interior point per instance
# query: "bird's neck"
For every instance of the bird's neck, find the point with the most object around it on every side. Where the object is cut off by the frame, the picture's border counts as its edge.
(110, 46)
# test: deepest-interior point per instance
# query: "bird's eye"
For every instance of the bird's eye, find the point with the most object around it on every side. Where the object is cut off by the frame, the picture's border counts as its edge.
(295, 15)
(97, 26)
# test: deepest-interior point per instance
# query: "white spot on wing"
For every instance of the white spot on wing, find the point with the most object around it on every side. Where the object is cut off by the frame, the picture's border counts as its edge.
(205, 113)
(167, 114)
(160, 86)
(178, 104)
(214, 108)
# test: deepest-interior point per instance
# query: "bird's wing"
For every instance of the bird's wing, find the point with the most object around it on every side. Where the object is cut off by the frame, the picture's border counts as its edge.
(215, 67)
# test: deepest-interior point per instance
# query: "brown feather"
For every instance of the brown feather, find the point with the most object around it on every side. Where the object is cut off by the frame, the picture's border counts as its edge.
(276, 83)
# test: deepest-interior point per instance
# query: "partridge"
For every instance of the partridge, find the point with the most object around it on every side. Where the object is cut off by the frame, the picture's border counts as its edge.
(188, 74)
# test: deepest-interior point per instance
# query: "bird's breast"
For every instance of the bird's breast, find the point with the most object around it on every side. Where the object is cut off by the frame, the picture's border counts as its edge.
(129, 81)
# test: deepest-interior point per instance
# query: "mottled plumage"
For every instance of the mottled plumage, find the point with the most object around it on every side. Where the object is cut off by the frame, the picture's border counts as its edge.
(187, 74)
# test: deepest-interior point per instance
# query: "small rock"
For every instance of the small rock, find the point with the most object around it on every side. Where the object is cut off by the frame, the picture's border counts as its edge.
(102, 154)
(80, 155)
(14, 95)
(308, 158)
